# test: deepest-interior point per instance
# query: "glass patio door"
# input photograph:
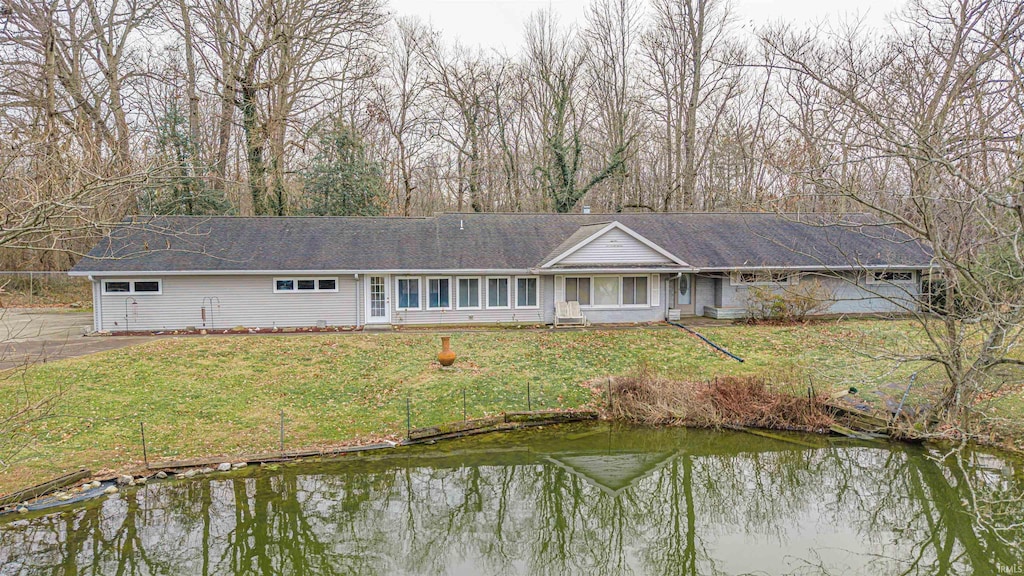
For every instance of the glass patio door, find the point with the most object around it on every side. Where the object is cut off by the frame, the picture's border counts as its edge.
(378, 304)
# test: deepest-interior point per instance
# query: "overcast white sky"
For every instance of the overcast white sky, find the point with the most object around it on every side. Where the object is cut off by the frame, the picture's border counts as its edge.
(498, 24)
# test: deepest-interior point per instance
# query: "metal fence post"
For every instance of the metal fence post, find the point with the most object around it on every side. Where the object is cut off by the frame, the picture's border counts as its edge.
(529, 404)
(408, 418)
(145, 456)
(282, 430)
(464, 405)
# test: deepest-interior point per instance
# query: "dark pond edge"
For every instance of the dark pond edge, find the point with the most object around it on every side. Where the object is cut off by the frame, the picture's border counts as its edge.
(190, 468)
(38, 498)
(44, 488)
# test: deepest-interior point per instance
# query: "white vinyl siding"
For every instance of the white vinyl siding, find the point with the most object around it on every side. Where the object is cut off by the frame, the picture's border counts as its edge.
(615, 247)
(851, 291)
(236, 301)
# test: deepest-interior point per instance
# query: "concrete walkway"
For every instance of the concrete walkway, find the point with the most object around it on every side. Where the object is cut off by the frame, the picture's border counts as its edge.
(31, 336)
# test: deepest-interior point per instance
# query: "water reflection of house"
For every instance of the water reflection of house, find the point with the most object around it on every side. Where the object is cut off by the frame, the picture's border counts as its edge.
(612, 473)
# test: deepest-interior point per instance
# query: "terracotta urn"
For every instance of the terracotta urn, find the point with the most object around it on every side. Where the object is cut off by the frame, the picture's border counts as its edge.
(446, 357)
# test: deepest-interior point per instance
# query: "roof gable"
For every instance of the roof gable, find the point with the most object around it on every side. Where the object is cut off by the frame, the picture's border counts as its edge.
(609, 243)
(612, 473)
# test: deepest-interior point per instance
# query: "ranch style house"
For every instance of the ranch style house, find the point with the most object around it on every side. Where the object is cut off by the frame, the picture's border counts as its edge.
(175, 272)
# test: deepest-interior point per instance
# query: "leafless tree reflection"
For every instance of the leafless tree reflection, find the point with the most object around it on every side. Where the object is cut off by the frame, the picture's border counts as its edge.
(622, 502)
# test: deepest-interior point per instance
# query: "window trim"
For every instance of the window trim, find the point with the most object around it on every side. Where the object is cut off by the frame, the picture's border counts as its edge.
(790, 279)
(419, 294)
(451, 303)
(458, 293)
(872, 277)
(619, 305)
(593, 293)
(508, 293)
(131, 286)
(295, 282)
(536, 292)
(590, 289)
(622, 290)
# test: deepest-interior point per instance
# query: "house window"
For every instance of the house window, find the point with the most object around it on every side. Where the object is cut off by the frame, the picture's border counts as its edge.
(469, 293)
(578, 289)
(606, 291)
(408, 293)
(497, 293)
(132, 286)
(439, 293)
(293, 285)
(634, 290)
(609, 291)
(526, 292)
(887, 277)
(117, 286)
(762, 278)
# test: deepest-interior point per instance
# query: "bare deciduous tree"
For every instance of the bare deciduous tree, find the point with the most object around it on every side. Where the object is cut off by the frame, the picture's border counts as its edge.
(932, 111)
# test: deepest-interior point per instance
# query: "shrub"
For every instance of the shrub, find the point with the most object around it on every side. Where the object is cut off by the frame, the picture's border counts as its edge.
(732, 401)
(788, 303)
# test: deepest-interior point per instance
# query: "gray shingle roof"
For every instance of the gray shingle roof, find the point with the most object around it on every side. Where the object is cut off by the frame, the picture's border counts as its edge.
(489, 242)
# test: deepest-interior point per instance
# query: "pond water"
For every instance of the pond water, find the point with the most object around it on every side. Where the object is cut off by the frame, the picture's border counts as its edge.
(580, 499)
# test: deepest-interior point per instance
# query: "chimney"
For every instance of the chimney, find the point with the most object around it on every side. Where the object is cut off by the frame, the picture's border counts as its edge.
(586, 209)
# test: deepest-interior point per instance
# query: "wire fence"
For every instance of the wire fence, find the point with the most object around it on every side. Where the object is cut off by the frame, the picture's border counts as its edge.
(293, 429)
(43, 288)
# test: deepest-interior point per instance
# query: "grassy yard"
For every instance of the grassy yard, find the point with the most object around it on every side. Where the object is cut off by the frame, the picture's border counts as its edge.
(224, 395)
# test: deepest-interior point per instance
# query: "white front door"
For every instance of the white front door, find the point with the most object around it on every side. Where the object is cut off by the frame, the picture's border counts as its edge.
(378, 299)
(684, 290)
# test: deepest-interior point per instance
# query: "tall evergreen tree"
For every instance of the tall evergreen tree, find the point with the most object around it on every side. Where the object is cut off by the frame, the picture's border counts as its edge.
(343, 180)
(177, 189)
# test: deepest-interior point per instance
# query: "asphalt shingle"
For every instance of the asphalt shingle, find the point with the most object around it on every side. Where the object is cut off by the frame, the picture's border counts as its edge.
(490, 242)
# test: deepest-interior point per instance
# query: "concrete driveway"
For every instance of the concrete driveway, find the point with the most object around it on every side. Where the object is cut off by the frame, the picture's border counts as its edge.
(30, 335)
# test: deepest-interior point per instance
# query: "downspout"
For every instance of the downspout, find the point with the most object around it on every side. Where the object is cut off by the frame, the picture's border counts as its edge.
(359, 308)
(97, 304)
(669, 297)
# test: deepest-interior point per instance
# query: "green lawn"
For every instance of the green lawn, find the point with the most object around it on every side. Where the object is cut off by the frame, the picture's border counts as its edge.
(204, 396)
